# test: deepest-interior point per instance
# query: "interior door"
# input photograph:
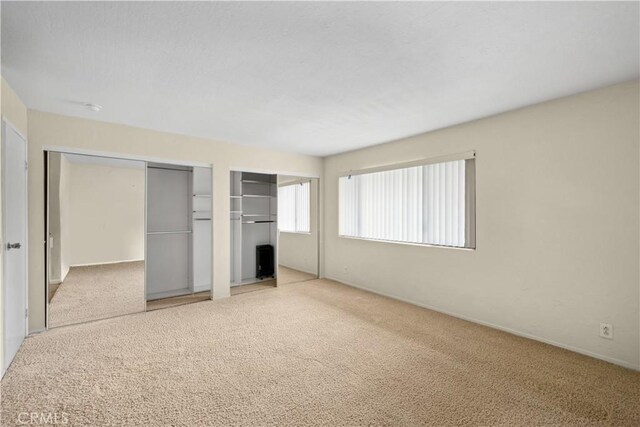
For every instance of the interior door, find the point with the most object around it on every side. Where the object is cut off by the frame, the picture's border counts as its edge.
(14, 205)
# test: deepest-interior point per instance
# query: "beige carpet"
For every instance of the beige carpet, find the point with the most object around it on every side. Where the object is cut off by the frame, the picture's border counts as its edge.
(289, 275)
(98, 292)
(176, 301)
(311, 353)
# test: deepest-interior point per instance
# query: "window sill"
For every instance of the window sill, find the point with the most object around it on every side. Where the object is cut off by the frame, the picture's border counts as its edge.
(396, 242)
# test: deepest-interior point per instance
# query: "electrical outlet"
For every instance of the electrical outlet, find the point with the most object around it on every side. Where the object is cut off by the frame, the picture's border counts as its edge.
(606, 331)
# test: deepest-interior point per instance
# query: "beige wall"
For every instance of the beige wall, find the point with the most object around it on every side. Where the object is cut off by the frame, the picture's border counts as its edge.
(106, 215)
(59, 217)
(557, 225)
(50, 130)
(96, 214)
(13, 110)
(297, 250)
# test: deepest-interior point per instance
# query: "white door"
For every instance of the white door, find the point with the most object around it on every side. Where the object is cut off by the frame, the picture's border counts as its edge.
(14, 248)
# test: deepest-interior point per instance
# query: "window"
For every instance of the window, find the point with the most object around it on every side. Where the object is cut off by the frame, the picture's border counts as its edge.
(294, 208)
(431, 203)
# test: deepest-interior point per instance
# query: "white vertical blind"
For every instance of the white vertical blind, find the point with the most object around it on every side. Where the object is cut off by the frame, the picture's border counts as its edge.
(286, 208)
(302, 209)
(294, 208)
(420, 204)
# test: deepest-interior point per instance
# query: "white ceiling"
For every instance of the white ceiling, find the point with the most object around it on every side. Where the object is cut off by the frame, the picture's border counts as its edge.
(313, 78)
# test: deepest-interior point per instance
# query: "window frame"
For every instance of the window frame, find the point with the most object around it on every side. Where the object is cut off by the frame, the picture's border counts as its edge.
(470, 197)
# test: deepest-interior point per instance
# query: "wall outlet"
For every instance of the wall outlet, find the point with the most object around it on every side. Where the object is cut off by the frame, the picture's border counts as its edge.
(606, 330)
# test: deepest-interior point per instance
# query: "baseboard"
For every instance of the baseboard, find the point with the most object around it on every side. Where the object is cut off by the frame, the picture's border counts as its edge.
(169, 294)
(494, 326)
(90, 264)
(55, 282)
(298, 269)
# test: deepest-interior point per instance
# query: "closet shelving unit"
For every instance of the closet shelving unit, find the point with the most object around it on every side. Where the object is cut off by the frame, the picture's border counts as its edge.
(202, 229)
(178, 249)
(253, 208)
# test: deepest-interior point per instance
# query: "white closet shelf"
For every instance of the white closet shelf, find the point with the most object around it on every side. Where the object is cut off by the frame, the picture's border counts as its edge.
(257, 222)
(257, 195)
(259, 215)
(169, 232)
(236, 212)
(202, 195)
(235, 197)
(252, 181)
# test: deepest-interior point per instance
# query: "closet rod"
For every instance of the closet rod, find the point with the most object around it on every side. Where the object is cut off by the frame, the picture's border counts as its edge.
(202, 219)
(250, 181)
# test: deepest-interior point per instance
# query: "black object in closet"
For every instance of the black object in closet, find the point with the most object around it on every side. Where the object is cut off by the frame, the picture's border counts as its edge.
(264, 261)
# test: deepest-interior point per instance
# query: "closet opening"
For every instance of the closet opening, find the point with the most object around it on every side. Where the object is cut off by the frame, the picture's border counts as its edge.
(124, 236)
(254, 231)
(274, 230)
(178, 235)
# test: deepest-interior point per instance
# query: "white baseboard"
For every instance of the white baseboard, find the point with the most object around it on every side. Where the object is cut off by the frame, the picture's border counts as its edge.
(105, 262)
(169, 294)
(299, 269)
(501, 328)
(55, 282)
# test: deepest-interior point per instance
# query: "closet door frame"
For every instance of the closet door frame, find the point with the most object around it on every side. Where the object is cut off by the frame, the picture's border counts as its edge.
(288, 173)
(146, 159)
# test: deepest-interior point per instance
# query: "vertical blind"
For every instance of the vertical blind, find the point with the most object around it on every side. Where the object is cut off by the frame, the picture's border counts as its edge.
(294, 208)
(420, 204)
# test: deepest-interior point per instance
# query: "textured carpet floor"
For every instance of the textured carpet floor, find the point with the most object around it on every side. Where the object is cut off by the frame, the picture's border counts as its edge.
(98, 292)
(289, 275)
(311, 353)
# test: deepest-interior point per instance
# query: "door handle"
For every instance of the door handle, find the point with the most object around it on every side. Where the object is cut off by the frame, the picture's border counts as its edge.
(13, 246)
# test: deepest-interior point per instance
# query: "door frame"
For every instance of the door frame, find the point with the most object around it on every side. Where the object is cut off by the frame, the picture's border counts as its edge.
(4, 124)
